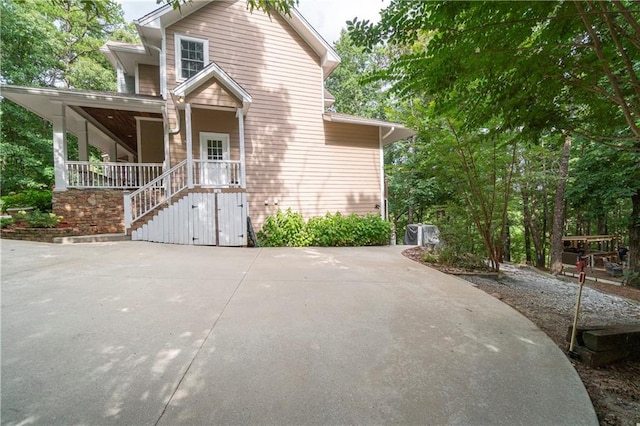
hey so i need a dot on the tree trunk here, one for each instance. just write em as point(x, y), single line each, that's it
point(506, 249)
point(634, 242)
point(558, 210)
point(527, 227)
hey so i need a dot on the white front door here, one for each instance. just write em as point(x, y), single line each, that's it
point(214, 153)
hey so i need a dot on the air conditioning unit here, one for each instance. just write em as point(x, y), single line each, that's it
point(422, 235)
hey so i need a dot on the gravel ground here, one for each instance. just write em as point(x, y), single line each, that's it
point(550, 303)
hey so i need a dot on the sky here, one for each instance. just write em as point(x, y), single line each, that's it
point(328, 17)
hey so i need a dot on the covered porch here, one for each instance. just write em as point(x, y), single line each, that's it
point(132, 138)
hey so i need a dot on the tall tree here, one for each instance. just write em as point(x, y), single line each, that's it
point(536, 66)
point(47, 43)
point(348, 83)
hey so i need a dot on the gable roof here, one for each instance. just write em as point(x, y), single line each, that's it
point(150, 29)
point(213, 70)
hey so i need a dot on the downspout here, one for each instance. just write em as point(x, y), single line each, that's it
point(384, 201)
point(163, 88)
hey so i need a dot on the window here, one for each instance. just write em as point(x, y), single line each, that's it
point(214, 149)
point(192, 55)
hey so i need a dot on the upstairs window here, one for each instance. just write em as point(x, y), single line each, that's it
point(192, 55)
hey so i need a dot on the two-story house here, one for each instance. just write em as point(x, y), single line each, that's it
point(220, 115)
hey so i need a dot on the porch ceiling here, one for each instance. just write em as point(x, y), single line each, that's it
point(120, 123)
point(92, 106)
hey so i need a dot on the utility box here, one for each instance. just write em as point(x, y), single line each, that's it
point(422, 235)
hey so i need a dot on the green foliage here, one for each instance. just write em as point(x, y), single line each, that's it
point(452, 258)
point(40, 199)
point(288, 229)
point(268, 6)
point(468, 261)
point(5, 222)
point(353, 93)
point(38, 219)
point(284, 229)
point(336, 230)
point(534, 65)
point(26, 152)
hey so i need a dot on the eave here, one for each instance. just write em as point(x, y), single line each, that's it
point(391, 132)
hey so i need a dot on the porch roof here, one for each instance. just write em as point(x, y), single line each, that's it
point(391, 132)
point(112, 115)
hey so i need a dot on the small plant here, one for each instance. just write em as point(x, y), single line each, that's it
point(285, 229)
point(468, 261)
point(430, 257)
point(37, 219)
point(6, 222)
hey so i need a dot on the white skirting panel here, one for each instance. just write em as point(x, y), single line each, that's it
point(199, 219)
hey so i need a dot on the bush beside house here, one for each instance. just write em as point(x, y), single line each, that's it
point(288, 229)
point(38, 199)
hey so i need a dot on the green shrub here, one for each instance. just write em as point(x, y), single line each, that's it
point(5, 222)
point(288, 229)
point(40, 199)
point(38, 219)
point(285, 229)
point(469, 261)
point(430, 257)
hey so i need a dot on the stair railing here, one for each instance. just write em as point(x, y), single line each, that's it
point(161, 189)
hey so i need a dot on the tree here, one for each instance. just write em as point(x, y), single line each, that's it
point(537, 67)
point(268, 6)
point(45, 44)
point(353, 93)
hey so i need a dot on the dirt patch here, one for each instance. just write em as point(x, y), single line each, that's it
point(549, 302)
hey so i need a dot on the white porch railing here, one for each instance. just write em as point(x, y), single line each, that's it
point(217, 173)
point(154, 193)
point(85, 174)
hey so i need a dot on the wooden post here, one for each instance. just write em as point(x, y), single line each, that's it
point(243, 167)
point(187, 119)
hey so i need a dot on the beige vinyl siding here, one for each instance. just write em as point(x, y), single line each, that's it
point(151, 141)
point(148, 80)
point(204, 120)
point(288, 158)
point(212, 93)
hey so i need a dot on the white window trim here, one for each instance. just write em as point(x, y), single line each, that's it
point(224, 137)
point(178, 57)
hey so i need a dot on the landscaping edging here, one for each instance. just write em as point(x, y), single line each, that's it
point(42, 235)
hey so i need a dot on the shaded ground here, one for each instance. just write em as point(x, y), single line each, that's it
point(550, 302)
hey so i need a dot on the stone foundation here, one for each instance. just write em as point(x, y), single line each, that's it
point(91, 211)
point(43, 235)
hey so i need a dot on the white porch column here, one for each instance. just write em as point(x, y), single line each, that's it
point(187, 119)
point(243, 166)
point(83, 140)
point(59, 145)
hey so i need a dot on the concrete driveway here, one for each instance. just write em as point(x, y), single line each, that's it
point(140, 334)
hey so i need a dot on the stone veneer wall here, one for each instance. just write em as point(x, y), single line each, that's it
point(43, 235)
point(91, 211)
